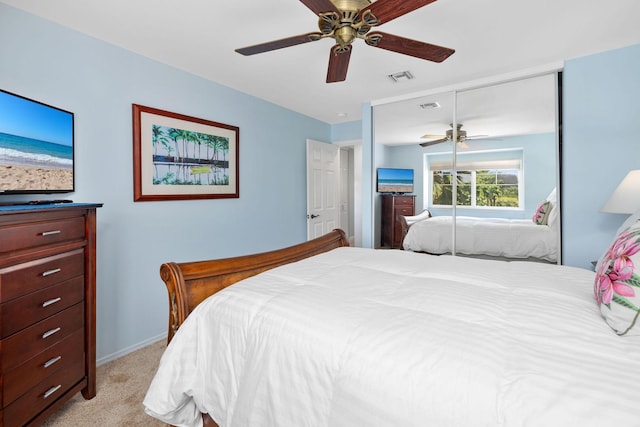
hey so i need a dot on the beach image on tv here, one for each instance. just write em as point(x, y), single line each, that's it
point(395, 180)
point(36, 146)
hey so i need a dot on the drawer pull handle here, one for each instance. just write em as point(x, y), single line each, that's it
point(52, 390)
point(52, 361)
point(50, 233)
point(50, 332)
point(51, 301)
point(50, 272)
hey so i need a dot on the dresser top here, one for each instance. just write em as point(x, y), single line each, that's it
point(32, 208)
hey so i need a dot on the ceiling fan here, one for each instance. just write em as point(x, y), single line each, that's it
point(461, 137)
point(346, 20)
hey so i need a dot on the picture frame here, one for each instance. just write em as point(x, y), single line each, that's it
point(179, 157)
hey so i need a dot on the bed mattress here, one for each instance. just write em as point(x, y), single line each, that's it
point(498, 237)
point(363, 337)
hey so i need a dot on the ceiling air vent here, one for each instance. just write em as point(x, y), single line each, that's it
point(429, 105)
point(401, 76)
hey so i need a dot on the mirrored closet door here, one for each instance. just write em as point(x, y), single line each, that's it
point(494, 151)
point(399, 129)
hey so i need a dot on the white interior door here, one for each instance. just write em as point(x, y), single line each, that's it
point(323, 188)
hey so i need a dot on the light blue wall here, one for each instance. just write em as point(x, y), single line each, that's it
point(347, 131)
point(99, 82)
point(601, 144)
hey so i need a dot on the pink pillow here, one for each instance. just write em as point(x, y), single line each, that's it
point(541, 216)
point(617, 284)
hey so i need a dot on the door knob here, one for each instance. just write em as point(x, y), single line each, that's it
point(313, 216)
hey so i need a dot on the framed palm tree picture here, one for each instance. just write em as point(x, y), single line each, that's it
point(178, 157)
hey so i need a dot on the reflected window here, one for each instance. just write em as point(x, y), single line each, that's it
point(442, 188)
point(480, 182)
point(497, 188)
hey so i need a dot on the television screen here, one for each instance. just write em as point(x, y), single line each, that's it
point(392, 180)
point(36, 147)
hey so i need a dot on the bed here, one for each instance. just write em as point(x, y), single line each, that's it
point(496, 237)
point(322, 334)
point(534, 239)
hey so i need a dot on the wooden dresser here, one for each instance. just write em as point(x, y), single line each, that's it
point(47, 309)
point(391, 228)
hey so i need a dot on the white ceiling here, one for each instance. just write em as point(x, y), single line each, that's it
point(520, 107)
point(490, 37)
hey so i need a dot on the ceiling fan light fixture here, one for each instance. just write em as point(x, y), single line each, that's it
point(462, 134)
point(345, 35)
point(401, 76)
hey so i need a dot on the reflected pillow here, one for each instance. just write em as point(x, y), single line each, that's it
point(617, 283)
point(552, 196)
point(553, 215)
point(541, 216)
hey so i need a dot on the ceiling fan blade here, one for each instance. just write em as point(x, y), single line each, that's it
point(320, 6)
point(437, 141)
point(428, 136)
point(410, 47)
point(338, 63)
point(279, 44)
point(386, 10)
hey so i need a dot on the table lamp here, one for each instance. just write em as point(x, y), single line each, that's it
point(626, 198)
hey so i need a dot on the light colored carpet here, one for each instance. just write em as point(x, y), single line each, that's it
point(121, 387)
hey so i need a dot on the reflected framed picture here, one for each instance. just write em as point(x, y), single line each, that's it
point(178, 157)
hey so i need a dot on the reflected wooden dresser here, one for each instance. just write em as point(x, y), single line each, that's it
point(47, 309)
point(391, 228)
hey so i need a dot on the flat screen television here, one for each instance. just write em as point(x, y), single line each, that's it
point(36, 147)
point(393, 180)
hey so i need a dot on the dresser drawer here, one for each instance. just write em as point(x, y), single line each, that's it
point(404, 211)
point(30, 235)
point(27, 343)
point(69, 351)
point(42, 395)
point(22, 279)
point(31, 308)
point(403, 201)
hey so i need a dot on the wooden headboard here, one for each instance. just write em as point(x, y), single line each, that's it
point(408, 221)
point(189, 283)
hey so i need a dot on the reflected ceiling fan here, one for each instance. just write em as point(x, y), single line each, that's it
point(448, 136)
point(346, 20)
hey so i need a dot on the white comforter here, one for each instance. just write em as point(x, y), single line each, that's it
point(362, 337)
point(501, 237)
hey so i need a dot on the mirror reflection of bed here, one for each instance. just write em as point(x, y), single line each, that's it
point(534, 239)
point(502, 168)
